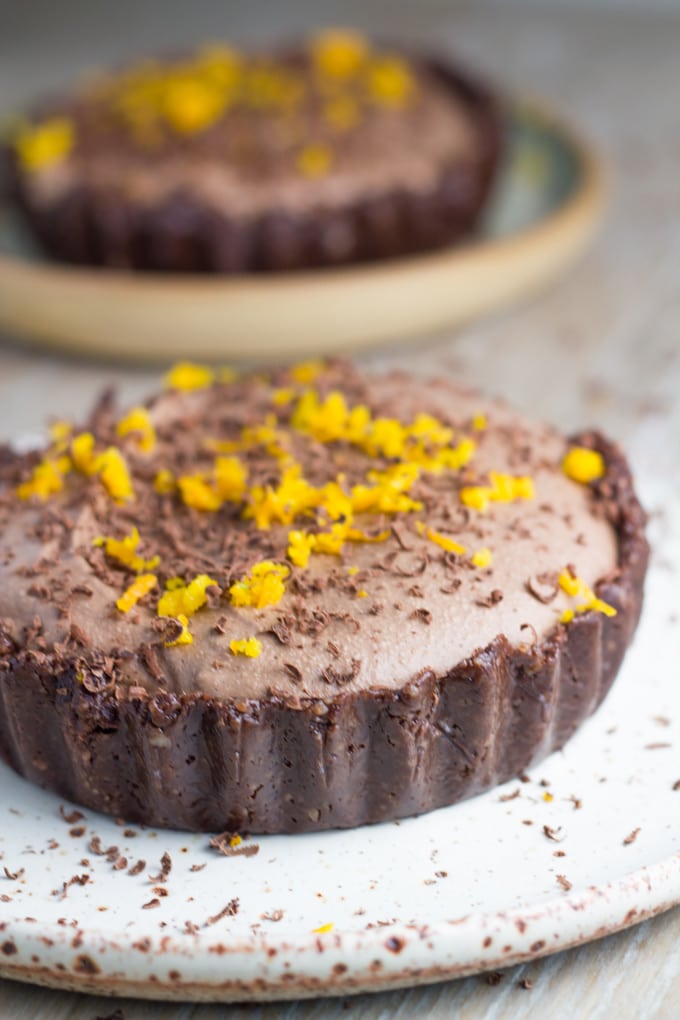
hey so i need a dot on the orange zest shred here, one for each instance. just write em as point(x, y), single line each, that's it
point(301, 544)
point(185, 599)
point(124, 550)
point(443, 541)
point(138, 422)
point(198, 493)
point(504, 488)
point(338, 53)
point(40, 146)
point(114, 474)
point(314, 160)
point(164, 481)
point(576, 587)
point(282, 396)
point(323, 929)
point(187, 376)
point(425, 442)
point(60, 432)
point(185, 637)
point(140, 587)
point(47, 478)
point(226, 485)
point(482, 558)
point(82, 453)
point(262, 587)
point(583, 465)
point(390, 82)
point(305, 372)
point(250, 647)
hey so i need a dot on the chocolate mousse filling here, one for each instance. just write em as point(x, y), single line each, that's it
point(308, 600)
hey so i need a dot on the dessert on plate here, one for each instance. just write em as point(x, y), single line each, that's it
point(308, 599)
point(330, 152)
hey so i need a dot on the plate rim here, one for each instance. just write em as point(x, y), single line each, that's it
point(606, 909)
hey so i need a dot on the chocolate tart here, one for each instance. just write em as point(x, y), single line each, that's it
point(348, 599)
point(331, 153)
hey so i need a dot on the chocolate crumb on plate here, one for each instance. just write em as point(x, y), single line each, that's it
point(556, 835)
point(494, 978)
point(230, 910)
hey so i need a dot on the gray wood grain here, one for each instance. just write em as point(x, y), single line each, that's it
point(600, 347)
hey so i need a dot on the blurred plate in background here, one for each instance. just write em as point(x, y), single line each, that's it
point(547, 203)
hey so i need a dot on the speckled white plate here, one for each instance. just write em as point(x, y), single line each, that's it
point(588, 844)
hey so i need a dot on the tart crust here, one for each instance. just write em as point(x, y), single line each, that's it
point(280, 765)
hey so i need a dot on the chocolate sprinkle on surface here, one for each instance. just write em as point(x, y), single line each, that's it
point(72, 817)
point(14, 875)
point(494, 978)
point(166, 868)
point(557, 835)
point(223, 844)
point(510, 796)
point(229, 911)
point(273, 915)
point(74, 880)
point(543, 587)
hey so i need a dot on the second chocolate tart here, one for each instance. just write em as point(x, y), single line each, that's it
point(334, 152)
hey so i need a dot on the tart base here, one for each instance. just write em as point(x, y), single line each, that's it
point(278, 765)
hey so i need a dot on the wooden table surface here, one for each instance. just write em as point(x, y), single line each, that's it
point(601, 347)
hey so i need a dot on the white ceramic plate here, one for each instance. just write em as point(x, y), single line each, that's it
point(546, 205)
point(588, 845)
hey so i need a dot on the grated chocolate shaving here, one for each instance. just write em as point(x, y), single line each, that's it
point(166, 868)
point(331, 675)
point(556, 835)
point(73, 880)
point(543, 587)
point(222, 843)
point(229, 911)
point(72, 817)
point(14, 875)
point(293, 671)
point(274, 915)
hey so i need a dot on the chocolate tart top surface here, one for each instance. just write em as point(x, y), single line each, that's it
point(373, 527)
point(324, 124)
